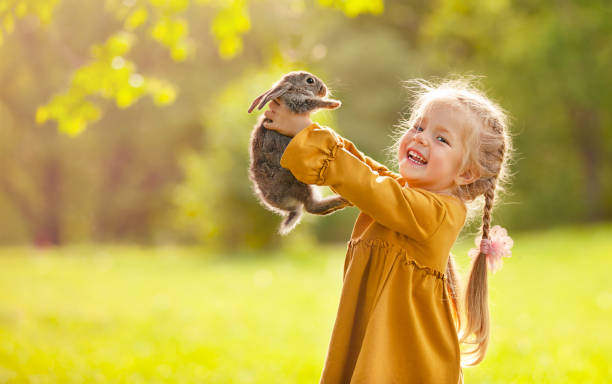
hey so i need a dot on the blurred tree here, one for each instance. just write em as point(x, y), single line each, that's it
point(110, 75)
point(154, 174)
point(549, 66)
point(93, 188)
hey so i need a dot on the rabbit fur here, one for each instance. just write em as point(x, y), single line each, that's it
point(276, 187)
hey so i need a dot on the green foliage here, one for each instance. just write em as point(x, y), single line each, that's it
point(110, 76)
point(543, 64)
point(130, 315)
point(74, 110)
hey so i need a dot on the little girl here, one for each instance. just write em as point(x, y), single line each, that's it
point(398, 320)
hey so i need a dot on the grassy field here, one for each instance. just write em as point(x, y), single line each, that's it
point(175, 315)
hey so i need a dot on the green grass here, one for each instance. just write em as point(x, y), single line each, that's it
point(130, 315)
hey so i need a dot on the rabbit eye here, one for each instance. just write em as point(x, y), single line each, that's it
point(310, 80)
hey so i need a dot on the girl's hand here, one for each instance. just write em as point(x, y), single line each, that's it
point(284, 121)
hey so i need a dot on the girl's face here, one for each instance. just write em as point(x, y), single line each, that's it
point(432, 150)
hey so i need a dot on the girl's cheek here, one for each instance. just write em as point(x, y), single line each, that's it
point(402, 147)
point(404, 142)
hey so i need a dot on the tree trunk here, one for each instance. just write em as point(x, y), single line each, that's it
point(48, 231)
point(588, 137)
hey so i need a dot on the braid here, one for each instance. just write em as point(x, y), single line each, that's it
point(477, 292)
point(488, 207)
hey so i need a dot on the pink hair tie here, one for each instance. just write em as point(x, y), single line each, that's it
point(498, 245)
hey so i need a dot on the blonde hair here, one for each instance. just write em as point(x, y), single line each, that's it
point(488, 148)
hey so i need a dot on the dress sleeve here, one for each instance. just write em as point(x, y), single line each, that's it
point(373, 164)
point(318, 155)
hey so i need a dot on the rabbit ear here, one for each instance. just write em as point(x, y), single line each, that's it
point(256, 101)
point(273, 94)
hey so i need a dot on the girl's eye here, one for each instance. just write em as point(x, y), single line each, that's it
point(418, 128)
point(442, 139)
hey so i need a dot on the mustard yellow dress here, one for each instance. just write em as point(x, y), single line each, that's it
point(395, 322)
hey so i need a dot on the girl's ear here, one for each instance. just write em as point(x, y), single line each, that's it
point(467, 177)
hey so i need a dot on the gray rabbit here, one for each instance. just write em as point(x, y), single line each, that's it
point(277, 189)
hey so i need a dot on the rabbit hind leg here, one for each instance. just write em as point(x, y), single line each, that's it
point(325, 206)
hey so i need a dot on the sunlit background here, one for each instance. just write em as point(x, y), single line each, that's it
point(132, 248)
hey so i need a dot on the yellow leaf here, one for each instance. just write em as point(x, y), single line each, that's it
point(125, 97)
point(136, 18)
point(8, 23)
point(71, 127)
point(42, 115)
point(179, 29)
point(178, 5)
point(120, 43)
point(165, 96)
point(230, 46)
point(160, 29)
point(181, 50)
point(21, 9)
point(44, 12)
point(354, 8)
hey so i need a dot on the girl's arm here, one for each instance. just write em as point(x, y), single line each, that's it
point(373, 164)
point(290, 124)
point(318, 155)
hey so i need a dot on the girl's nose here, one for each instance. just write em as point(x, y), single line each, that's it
point(419, 138)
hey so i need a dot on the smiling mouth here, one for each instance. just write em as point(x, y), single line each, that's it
point(416, 158)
